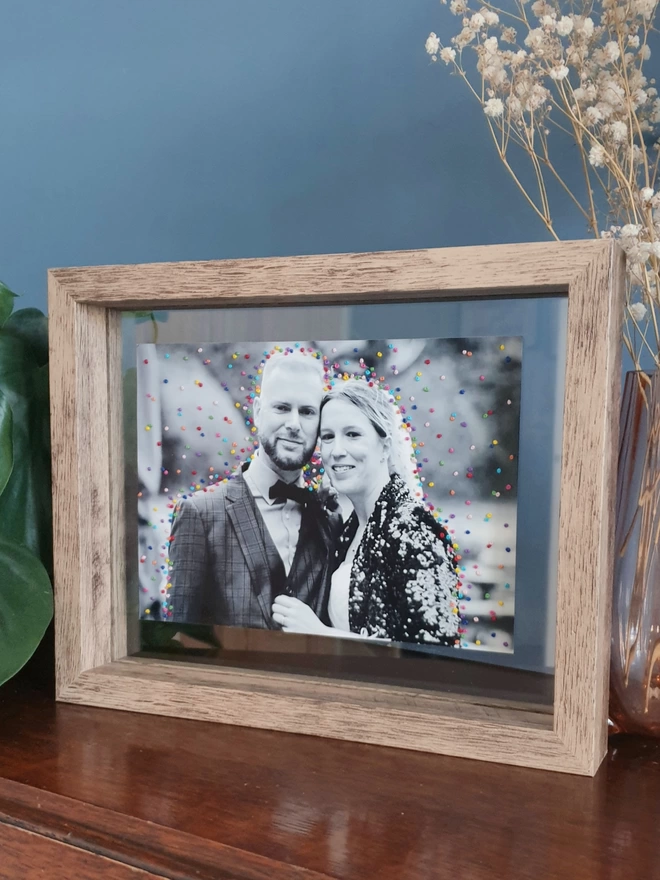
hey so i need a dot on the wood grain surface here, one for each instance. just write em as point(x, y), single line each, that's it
point(183, 799)
point(29, 856)
point(90, 616)
point(586, 509)
point(67, 490)
point(385, 276)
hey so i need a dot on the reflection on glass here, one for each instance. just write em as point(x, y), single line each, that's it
point(480, 402)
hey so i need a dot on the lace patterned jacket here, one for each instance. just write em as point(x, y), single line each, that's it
point(403, 584)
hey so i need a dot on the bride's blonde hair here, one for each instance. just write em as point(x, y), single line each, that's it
point(383, 413)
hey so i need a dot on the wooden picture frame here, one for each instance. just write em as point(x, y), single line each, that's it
point(92, 665)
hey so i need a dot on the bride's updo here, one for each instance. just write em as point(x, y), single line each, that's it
point(383, 413)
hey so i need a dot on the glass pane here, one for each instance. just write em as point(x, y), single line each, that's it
point(479, 385)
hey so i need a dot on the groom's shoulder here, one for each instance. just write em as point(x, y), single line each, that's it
point(215, 496)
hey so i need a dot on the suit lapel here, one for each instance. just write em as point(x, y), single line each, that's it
point(245, 516)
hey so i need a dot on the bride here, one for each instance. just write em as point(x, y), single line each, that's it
point(395, 574)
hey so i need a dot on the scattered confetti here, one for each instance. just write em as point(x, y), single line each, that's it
point(456, 374)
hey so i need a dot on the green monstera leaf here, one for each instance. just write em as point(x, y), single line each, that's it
point(6, 442)
point(26, 606)
point(26, 596)
point(31, 325)
point(7, 298)
point(25, 506)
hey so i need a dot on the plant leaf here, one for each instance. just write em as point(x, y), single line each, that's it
point(16, 366)
point(7, 298)
point(6, 442)
point(25, 504)
point(26, 606)
point(31, 325)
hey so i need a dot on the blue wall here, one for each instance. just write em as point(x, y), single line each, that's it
point(148, 130)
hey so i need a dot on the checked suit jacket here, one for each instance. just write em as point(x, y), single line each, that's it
point(225, 569)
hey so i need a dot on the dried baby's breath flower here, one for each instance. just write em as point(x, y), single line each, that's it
point(493, 107)
point(578, 65)
point(638, 310)
point(432, 44)
point(559, 72)
point(565, 25)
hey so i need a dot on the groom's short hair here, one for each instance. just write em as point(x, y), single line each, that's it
point(282, 362)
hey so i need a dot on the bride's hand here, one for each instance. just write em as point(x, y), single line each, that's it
point(328, 496)
point(295, 616)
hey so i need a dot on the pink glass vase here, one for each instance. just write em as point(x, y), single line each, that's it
point(635, 661)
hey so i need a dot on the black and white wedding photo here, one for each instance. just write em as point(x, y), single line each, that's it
point(354, 488)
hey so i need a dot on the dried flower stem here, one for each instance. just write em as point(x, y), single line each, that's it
point(582, 62)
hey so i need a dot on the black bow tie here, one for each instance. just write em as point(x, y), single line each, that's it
point(281, 491)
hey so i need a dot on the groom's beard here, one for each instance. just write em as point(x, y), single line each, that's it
point(287, 461)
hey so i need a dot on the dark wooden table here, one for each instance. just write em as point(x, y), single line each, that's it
point(98, 793)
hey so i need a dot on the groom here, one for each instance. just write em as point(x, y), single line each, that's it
point(237, 545)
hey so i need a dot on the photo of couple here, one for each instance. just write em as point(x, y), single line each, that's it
point(359, 489)
point(265, 550)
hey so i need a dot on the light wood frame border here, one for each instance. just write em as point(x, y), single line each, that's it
point(85, 346)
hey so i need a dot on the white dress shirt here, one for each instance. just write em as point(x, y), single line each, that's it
point(282, 519)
